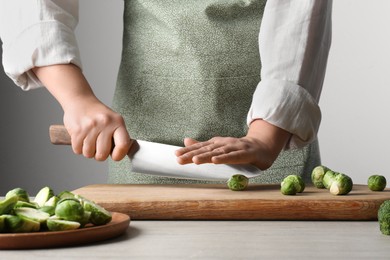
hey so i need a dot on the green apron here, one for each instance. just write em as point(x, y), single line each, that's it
point(189, 69)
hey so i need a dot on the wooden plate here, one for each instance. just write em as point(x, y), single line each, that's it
point(117, 226)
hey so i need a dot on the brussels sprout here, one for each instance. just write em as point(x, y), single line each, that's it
point(329, 178)
point(7, 205)
point(33, 214)
point(70, 209)
point(52, 202)
point(297, 180)
point(65, 194)
point(288, 188)
point(317, 176)
point(237, 182)
point(54, 224)
point(384, 217)
point(376, 182)
point(48, 209)
point(43, 195)
point(342, 184)
point(48, 212)
point(2, 223)
point(21, 204)
point(21, 193)
point(16, 224)
point(99, 215)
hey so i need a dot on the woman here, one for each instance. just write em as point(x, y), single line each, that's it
point(242, 79)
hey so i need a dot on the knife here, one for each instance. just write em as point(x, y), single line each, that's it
point(160, 160)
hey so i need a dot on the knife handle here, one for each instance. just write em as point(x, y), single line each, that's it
point(59, 135)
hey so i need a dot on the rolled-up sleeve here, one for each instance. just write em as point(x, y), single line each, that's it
point(294, 42)
point(37, 33)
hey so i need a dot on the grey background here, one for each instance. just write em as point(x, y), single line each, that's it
point(354, 134)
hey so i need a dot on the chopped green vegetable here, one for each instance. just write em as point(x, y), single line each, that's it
point(342, 184)
point(237, 182)
point(33, 214)
point(16, 224)
point(43, 195)
point(70, 209)
point(65, 194)
point(52, 201)
point(65, 211)
point(376, 182)
point(21, 193)
point(61, 225)
point(384, 217)
point(7, 205)
point(20, 204)
point(99, 215)
point(317, 176)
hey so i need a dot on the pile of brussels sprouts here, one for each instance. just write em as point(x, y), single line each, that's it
point(337, 183)
point(48, 212)
point(341, 184)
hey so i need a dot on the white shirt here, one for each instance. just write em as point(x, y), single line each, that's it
point(295, 38)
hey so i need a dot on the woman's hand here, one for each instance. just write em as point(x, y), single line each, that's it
point(93, 127)
point(260, 147)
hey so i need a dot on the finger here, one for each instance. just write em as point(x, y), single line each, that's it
point(122, 143)
point(194, 150)
point(188, 148)
point(89, 144)
point(189, 141)
point(103, 146)
point(207, 156)
point(77, 139)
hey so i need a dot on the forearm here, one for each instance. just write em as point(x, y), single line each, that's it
point(269, 136)
point(91, 124)
point(65, 82)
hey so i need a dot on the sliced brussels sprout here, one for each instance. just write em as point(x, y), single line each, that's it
point(20, 204)
point(33, 214)
point(65, 195)
point(61, 225)
point(48, 209)
point(8, 204)
point(21, 193)
point(43, 195)
point(52, 201)
point(99, 215)
point(16, 224)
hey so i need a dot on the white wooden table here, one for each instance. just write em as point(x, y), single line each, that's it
point(230, 240)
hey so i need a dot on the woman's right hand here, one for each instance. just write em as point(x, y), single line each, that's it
point(96, 131)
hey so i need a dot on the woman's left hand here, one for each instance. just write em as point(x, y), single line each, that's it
point(260, 147)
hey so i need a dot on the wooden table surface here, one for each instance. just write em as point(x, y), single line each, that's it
point(230, 240)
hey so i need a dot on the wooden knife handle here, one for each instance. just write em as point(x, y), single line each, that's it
point(59, 135)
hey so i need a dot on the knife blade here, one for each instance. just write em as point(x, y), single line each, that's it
point(160, 160)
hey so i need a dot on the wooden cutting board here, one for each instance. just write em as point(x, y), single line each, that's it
point(217, 202)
